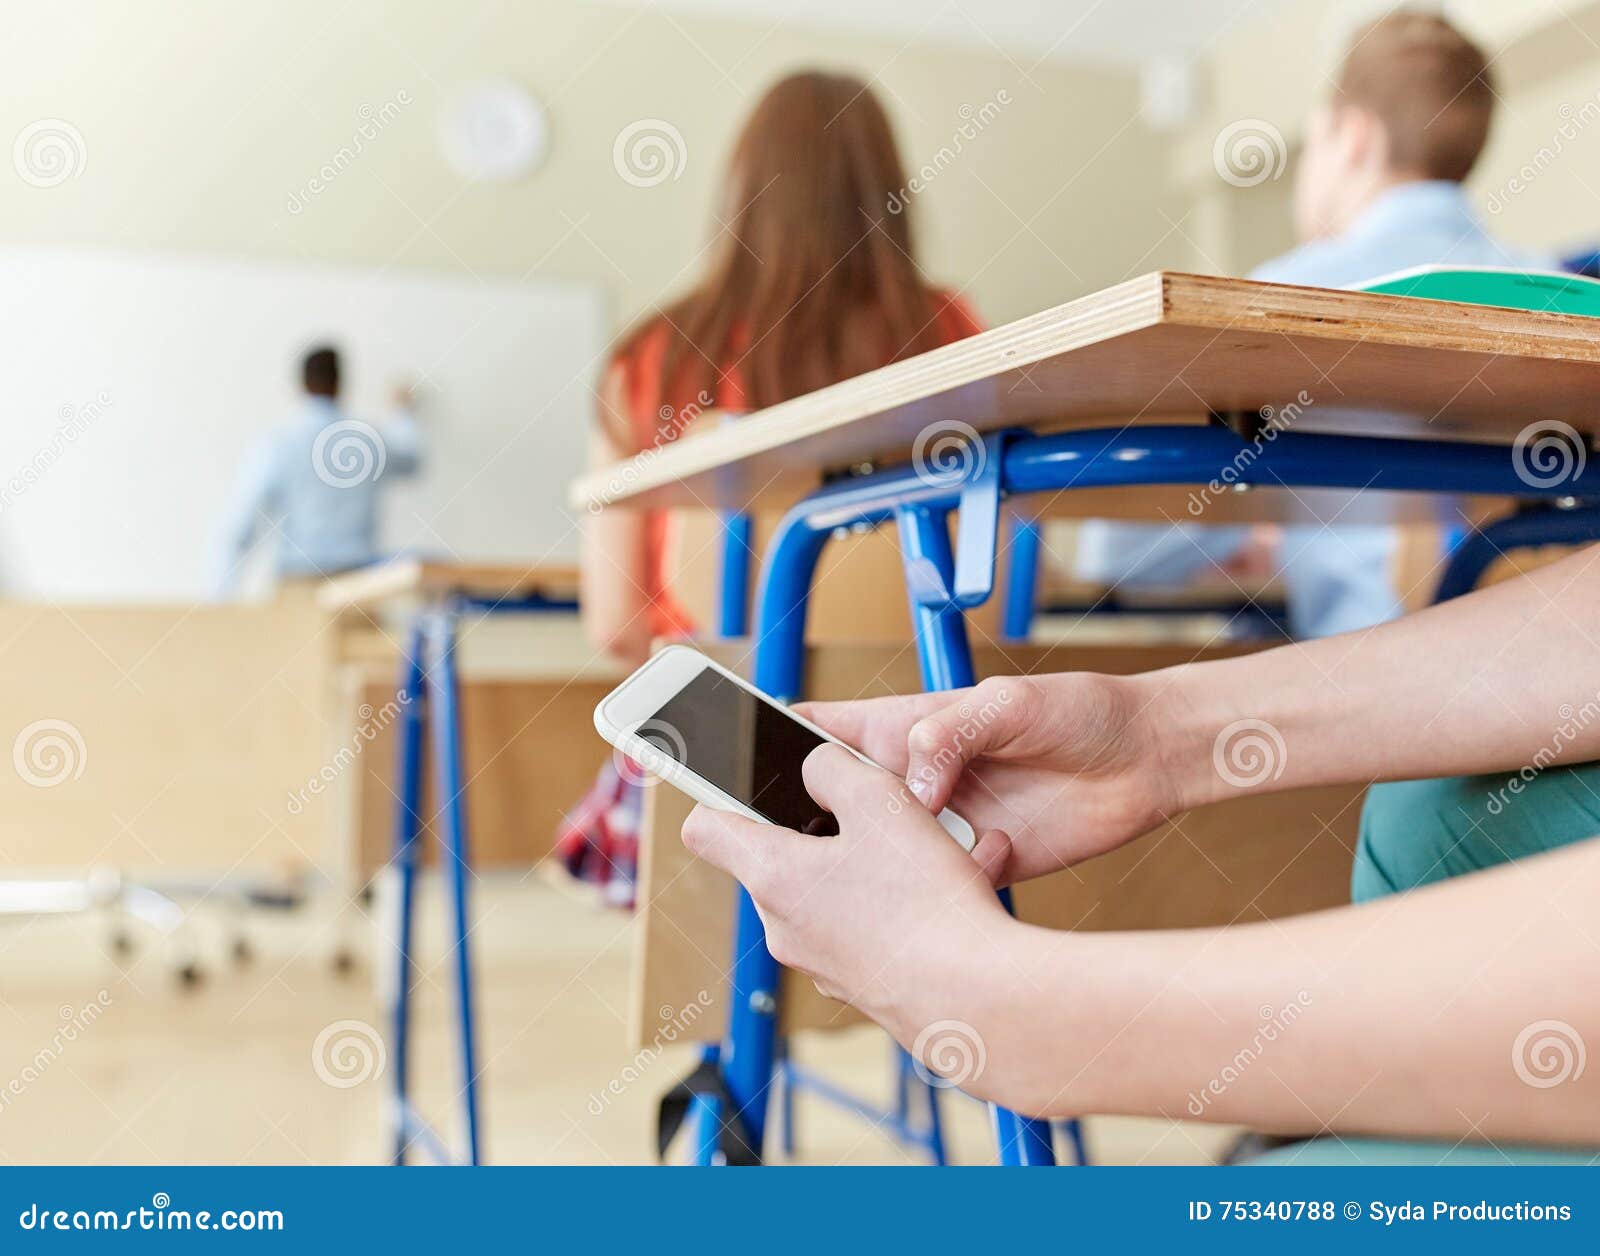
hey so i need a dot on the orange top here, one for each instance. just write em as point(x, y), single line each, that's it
point(656, 422)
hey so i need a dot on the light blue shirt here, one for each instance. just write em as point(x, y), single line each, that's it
point(314, 483)
point(1336, 579)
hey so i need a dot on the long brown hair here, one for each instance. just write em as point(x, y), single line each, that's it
point(813, 277)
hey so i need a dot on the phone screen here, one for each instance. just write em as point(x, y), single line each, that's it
point(745, 746)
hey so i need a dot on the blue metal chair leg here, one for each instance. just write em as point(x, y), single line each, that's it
point(935, 1126)
point(1022, 580)
point(1541, 525)
point(946, 657)
point(908, 1082)
point(786, 1095)
point(706, 1122)
point(748, 1056)
point(733, 588)
point(444, 702)
point(1072, 1130)
point(407, 831)
point(733, 614)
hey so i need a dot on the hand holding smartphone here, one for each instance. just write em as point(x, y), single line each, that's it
point(723, 742)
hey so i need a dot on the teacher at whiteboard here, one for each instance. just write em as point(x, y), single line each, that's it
point(313, 483)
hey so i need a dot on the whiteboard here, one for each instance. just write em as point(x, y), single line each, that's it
point(135, 384)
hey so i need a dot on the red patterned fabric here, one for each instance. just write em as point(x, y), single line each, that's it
point(598, 841)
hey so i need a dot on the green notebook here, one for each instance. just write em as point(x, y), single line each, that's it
point(1542, 290)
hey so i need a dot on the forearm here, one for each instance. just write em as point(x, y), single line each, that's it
point(1407, 1017)
point(403, 442)
point(1487, 682)
point(613, 574)
point(612, 582)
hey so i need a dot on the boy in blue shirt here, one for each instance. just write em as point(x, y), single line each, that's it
point(315, 481)
point(1378, 189)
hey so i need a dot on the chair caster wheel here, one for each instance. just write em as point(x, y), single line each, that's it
point(122, 943)
point(242, 951)
point(189, 975)
point(344, 961)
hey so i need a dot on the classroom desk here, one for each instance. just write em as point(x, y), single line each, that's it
point(1164, 348)
point(376, 587)
point(517, 675)
point(1162, 380)
point(428, 695)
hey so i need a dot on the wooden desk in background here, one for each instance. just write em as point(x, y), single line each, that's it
point(164, 741)
point(445, 734)
point(530, 684)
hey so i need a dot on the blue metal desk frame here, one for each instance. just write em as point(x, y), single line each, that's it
point(733, 620)
point(429, 692)
point(943, 583)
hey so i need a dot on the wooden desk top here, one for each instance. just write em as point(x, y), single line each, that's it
point(1162, 348)
point(423, 578)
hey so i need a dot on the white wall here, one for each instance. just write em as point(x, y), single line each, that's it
point(200, 129)
point(144, 377)
point(200, 122)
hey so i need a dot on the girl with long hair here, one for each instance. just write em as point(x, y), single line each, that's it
point(812, 278)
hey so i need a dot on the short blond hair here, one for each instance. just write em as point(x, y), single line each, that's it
point(1430, 87)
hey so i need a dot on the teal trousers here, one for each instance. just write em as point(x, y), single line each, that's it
point(1414, 833)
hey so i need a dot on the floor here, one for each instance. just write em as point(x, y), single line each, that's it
point(275, 1059)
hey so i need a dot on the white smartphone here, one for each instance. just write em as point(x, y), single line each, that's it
point(723, 742)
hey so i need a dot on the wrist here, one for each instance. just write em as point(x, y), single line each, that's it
point(1181, 722)
point(963, 980)
point(1020, 1048)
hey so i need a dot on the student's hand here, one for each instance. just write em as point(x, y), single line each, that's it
point(890, 915)
point(403, 394)
point(1069, 765)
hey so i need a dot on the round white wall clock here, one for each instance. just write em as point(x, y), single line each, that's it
point(494, 130)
